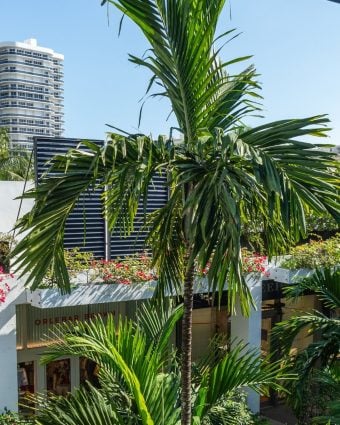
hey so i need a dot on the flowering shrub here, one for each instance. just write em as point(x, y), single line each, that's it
point(4, 286)
point(316, 253)
point(252, 262)
point(135, 268)
point(132, 269)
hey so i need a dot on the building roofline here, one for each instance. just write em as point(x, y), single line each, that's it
point(31, 46)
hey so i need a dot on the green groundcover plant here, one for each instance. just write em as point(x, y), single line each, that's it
point(315, 254)
point(10, 418)
point(317, 366)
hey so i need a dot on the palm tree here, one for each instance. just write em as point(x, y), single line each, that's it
point(220, 176)
point(15, 164)
point(139, 374)
point(314, 363)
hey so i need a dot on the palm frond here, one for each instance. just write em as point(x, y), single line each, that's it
point(324, 282)
point(131, 162)
point(239, 368)
point(158, 323)
point(183, 61)
point(297, 176)
point(283, 334)
point(127, 358)
point(84, 407)
point(57, 194)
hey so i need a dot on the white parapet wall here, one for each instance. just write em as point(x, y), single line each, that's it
point(10, 205)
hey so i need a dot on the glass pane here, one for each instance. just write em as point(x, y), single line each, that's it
point(25, 384)
point(58, 378)
point(89, 371)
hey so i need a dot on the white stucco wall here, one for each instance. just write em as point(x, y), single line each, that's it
point(9, 206)
point(8, 353)
point(248, 329)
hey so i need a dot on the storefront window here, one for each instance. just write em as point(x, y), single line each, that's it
point(25, 384)
point(89, 371)
point(58, 380)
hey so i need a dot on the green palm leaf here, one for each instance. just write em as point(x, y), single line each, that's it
point(128, 357)
point(324, 282)
point(85, 407)
point(238, 369)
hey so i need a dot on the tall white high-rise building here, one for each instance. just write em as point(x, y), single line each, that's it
point(31, 92)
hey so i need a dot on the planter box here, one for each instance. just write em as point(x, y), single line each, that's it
point(99, 294)
point(282, 275)
point(90, 294)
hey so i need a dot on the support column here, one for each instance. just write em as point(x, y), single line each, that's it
point(248, 329)
point(8, 347)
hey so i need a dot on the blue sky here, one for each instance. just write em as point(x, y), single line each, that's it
point(295, 46)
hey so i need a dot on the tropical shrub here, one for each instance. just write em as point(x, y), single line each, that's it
point(314, 254)
point(309, 394)
point(235, 412)
point(139, 375)
point(5, 243)
point(329, 378)
point(9, 418)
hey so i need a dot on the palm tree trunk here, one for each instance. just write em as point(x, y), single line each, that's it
point(188, 298)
